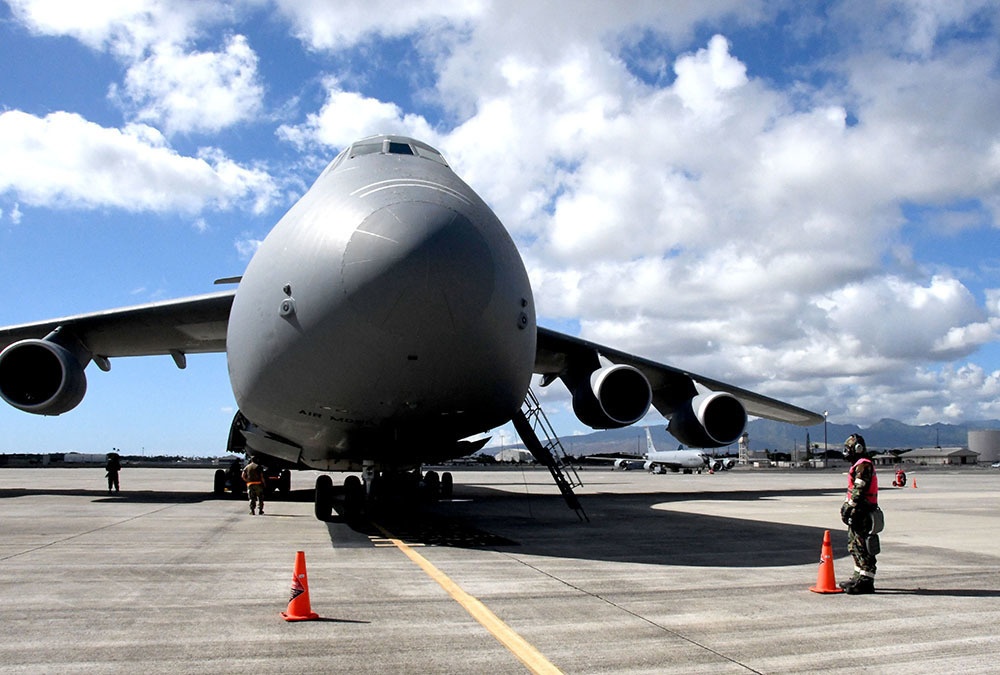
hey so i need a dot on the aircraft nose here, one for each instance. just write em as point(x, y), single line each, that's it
point(419, 266)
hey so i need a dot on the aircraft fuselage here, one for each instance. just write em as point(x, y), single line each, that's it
point(387, 314)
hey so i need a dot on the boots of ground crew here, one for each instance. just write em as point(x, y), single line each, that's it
point(850, 582)
point(862, 586)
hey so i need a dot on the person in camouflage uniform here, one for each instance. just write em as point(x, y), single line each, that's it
point(858, 513)
point(253, 476)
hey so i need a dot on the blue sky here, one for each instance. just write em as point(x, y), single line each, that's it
point(800, 198)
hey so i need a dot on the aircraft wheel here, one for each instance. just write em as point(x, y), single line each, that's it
point(220, 483)
point(432, 486)
point(354, 497)
point(324, 497)
point(447, 485)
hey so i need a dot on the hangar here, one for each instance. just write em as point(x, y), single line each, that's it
point(942, 456)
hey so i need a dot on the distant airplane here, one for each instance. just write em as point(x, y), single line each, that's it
point(659, 461)
point(384, 320)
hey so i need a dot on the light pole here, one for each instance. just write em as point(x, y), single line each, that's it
point(826, 413)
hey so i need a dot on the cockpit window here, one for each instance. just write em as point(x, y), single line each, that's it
point(366, 148)
point(428, 152)
point(395, 146)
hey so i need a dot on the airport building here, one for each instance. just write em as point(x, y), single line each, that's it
point(942, 456)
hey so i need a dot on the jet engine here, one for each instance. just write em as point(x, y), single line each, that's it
point(614, 397)
point(709, 420)
point(41, 377)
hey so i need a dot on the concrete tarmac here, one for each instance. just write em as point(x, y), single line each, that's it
point(673, 574)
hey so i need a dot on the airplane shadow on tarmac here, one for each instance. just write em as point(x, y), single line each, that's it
point(622, 528)
point(151, 496)
point(140, 496)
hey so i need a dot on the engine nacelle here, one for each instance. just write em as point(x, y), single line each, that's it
point(615, 396)
point(41, 377)
point(656, 467)
point(709, 420)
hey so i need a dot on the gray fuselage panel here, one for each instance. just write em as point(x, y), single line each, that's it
point(387, 313)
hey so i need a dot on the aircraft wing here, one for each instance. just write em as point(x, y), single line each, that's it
point(556, 353)
point(188, 325)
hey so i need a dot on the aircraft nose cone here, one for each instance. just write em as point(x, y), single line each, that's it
point(418, 267)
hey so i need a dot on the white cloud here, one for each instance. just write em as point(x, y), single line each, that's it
point(125, 27)
point(168, 82)
point(62, 160)
point(323, 25)
point(348, 116)
point(247, 245)
point(704, 78)
point(190, 91)
point(913, 26)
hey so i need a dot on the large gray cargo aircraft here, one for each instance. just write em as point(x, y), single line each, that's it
point(385, 319)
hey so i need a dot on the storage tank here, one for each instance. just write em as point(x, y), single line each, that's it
point(987, 443)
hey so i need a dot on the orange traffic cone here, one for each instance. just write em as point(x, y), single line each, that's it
point(914, 482)
point(298, 604)
point(826, 582)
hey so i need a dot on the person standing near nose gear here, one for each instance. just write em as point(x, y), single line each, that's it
point(253, 475)
point(862, 516)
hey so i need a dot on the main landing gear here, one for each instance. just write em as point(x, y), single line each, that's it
point(380, 489)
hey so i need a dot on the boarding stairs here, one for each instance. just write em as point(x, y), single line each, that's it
point(529, 422)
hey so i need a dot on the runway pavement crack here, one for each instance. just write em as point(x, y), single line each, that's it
point(612, 603)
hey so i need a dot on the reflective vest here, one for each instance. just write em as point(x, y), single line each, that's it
point(871, 489)
point(252, 475)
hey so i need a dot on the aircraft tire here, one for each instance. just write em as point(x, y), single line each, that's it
point(354, 497)
point(220, 483)
point(432, 486)
point(324, 497)
point(447, 485)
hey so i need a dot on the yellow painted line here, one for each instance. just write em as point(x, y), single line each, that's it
point(388, 542)
point(518, 646)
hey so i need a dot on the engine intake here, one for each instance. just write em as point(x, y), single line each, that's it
point(709, 420)
point(41, 377)
point(614, 397)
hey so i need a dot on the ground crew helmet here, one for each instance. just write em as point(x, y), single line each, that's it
point(855, 445)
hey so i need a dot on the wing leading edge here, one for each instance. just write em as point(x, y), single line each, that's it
point(558, 355)
point(42, 364)
point(185, 326)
